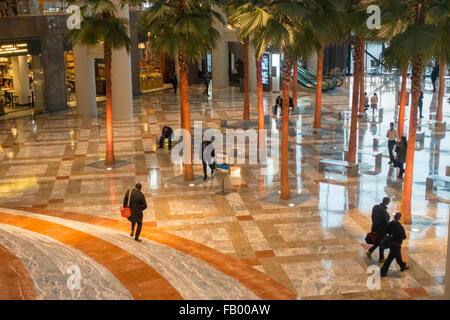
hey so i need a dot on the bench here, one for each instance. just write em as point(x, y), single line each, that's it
point(333, 125)
point(377, 155)
point(344, 115)
point(238, 123)
point(433, 178)
point(420, 137)
point(352, 168)
point(440, 125)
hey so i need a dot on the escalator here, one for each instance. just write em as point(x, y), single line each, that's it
point(307, 78)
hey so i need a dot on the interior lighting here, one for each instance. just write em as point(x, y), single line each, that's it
point(291, 205)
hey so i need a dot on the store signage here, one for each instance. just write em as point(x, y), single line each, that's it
point(265, 69)
point(13, 49)
point(20, 47)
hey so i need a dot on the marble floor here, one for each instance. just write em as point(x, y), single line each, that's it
point(59, 207)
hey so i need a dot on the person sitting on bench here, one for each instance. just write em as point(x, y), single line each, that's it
point(166, 134)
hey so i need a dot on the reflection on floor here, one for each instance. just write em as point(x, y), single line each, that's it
point(198, 243)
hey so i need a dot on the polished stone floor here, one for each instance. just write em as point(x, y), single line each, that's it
point(59, 207)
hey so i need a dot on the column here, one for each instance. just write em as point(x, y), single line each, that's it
point(219, 61)
point(252, 69)
point(21, 79)
point(122, 94)
point(85, 82)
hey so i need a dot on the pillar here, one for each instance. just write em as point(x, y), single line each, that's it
point(252, 69)
point(85, 82)
point(21, 79)
point(220, 60)
point(122, 94)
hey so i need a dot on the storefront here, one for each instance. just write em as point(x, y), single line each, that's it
point(154, 70)
point(100, 81)
point(21, 76)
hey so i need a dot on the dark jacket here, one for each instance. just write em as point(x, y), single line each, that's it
point(396, 230)
point(401, 152)
point(380, 219)
point(168, 133)
point(208, 159)
point(137, 205)
point(174, 81)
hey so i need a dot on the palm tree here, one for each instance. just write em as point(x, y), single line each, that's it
point(418, 41)
point(182, 30)
point(443, 55)
point(273, 25)
point(323, 27)
point(353, 15)
point(103, 26)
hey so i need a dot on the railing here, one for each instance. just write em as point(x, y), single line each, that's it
point(13, 8)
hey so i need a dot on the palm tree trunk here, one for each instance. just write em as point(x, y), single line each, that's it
point(185, 120)
point(361, 76)
point(109, 159)
point(317, 115)
point(259, 90)
point(284, 174)
point(355, 99)
point(441, 91)
point(295, 83)
point(401, 112)
point(416, 79)
point(246, 84)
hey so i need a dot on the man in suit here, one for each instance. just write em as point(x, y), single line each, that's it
point(380, 219)
point(398, 234)
point(137, 206)
point(207, 157)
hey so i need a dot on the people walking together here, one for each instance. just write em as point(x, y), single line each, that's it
point(137, 205)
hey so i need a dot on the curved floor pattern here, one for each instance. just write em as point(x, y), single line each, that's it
point(192, 278)
point(15, 281)
point(47, 261)
point(141, 280)
point(259, 283)
point(187, 273)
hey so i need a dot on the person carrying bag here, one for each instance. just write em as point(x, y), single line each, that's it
point(134, 201)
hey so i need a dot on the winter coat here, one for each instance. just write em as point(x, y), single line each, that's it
point(396, 230)
point(137, 205)
point(380, 219)
point(401, 153)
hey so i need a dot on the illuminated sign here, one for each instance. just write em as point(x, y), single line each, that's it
point(13, 49)
point(265, 69)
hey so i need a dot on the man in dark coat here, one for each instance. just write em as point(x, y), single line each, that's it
point(207, 157)
point(174, 82)
point(398, 234)
point(380, 219)
point(206, 83)
point(434, 76)
point(166, 134)
point(137, 206)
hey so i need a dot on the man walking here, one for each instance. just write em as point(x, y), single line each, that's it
point(207, 157)
point(380, 219)
point(397, 233)
point(206, 82)
point(374, 102)
point(174, 82)
point(421, 104)
point(392, 136)
point(137, 206)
